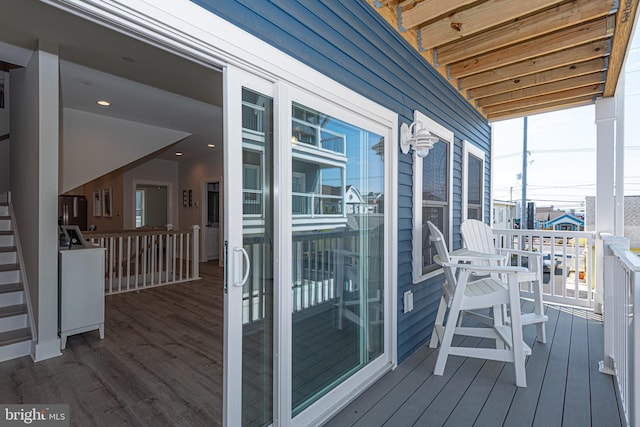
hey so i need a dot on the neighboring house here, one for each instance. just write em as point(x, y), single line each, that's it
point(565, 222)
point(504, 214)
point(631, 218)
point(304, 103)
point(354, 201)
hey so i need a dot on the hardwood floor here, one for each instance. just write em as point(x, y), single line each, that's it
point(160, 363)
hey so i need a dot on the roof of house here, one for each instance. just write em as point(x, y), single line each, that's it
point(566, 219)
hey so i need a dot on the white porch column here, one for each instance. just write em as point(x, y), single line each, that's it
point(619, 192)
point(605, 185)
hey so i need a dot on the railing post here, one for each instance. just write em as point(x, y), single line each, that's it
point(196, 251)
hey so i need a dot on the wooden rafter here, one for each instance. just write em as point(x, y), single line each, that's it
point(555, 74)
point(593, 90)
point(536, 65)
point(550, 43)
point(513, 57)
point(547, 88)
point(557, 18)
point(472, 21)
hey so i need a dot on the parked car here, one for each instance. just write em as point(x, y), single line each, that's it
point(548, 264)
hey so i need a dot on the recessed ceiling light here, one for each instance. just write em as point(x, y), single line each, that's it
point(178, 153)
point(103, 103)
point(211, 145)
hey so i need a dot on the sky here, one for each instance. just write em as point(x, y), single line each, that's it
point(561, 167)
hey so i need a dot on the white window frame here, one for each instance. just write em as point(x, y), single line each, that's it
point(469, 148)
point(446, 135)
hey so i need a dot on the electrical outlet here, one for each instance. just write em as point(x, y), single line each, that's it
point(408, 301)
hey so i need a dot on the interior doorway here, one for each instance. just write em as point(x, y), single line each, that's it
point(152, 204)
point(212, 220)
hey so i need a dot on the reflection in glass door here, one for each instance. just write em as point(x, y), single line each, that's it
point(337, 256)
point(257, 293)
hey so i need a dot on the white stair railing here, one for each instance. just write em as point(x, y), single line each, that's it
point(139, 259)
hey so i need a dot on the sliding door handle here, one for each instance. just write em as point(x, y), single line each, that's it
point(240, 255)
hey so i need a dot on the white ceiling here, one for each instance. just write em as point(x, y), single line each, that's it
point(144, 84)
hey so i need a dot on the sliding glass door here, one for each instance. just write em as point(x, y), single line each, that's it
point(306, 301)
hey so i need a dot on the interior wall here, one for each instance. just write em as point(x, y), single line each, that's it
point(4, 129)
point(34, 186)
point(114, 182)
point(93, 145)
point(192, 175)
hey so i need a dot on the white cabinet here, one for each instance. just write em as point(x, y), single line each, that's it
point(81, 286)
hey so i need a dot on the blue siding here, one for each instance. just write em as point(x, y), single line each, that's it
point(349, 42)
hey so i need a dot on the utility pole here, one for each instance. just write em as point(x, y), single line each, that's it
point(523, 208)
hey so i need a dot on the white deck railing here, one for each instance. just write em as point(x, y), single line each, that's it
point(568, 262)
point(143, 259)
point(622, 336)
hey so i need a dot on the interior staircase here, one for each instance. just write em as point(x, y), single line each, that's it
point(15, 333)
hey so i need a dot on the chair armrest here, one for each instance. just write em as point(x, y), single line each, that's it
point(485, 268)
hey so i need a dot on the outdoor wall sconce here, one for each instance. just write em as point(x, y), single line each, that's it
point(418, 137)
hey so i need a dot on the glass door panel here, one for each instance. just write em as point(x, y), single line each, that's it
point(257, 241)
point(337, 255)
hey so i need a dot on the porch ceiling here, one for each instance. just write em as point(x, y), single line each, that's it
point(512, 58)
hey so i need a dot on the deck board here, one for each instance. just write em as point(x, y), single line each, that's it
point(564, 386)
point(162, 365)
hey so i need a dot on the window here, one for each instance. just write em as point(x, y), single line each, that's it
point(473, 182)
point(432, 194)
point(139, 208)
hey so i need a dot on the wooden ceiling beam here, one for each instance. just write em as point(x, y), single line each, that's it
point(430, 10)
point(543, 89)
point(530, 103)
point(516, 83)
point(561, 16)
point(541, 108)
point(471, 21)
point(544, 45)
point(536, 65)
point(624, 24)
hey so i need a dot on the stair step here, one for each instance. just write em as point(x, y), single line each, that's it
point(9, 267)
point(6, 232)
point(15, 336)
point(13, 310)
point(11, 287)
point(8, 249)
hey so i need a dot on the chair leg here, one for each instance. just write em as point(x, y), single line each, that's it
point(449, 329)
point(517, 348)
point(436, 335)
point(539, 310)
point(499, 318)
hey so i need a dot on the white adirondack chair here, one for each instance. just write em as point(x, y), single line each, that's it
point(459, 294)
point(479, 237)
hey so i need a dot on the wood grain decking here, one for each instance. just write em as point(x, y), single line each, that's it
point(160, 364)
point(564, 387)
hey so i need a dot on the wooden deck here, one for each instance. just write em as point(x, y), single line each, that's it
point(160, 364)
point(564, 387)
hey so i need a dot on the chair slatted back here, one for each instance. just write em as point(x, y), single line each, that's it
point(478, 236)
point(443, 253)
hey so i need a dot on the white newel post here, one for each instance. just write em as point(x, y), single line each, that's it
point(195, 259)
point(605, 185)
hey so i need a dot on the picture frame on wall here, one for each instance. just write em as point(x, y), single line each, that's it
point(107, 203)
point(190, 198)
point(184, 198)
point(97, 203)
